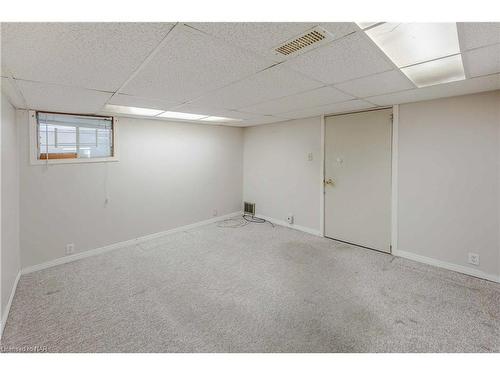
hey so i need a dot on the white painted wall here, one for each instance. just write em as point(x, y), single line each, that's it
point(172, 174)
point(449, 173)
point(10, 252)
point(448, 178)
point(169, 175)
point(278, 176)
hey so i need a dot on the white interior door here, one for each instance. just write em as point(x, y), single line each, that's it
point(358, 178)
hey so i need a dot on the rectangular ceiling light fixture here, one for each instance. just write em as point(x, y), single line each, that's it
point(417, 48)
point(181, 115)
point(219, 119)
point(131, 110)
point(148, 112)
point(447, 69)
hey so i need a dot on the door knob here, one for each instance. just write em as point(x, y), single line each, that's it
point(329, 182)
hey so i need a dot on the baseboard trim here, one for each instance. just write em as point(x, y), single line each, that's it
point(449, 266)
point(5, 313)
point(117, 245)
point(292, 226)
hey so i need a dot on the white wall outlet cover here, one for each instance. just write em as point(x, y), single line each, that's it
point(289, 219)
point(70, 248)
point(474, 259)
point(310, 156)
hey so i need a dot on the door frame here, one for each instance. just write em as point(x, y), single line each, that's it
point(394, 172)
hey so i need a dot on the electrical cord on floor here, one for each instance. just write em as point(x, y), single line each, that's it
point(232, 223)
point(257, 220)
point(241, 222)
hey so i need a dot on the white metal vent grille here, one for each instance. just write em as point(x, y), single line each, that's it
point(304, 42)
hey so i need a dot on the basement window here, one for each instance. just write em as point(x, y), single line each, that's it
point(71, 138)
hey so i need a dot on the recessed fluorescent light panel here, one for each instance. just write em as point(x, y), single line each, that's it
point(410, 45)
point(165, 114)
point(181, 115)
point(434, 72)
point(131, 110)
point(219, 119)
point(413, 43)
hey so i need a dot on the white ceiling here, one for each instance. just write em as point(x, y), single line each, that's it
point(98, 56)
point(351, 57)
point(220, 69)
point(262, 37)
point(274, 82)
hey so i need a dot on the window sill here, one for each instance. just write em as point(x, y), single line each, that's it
point(74, 161)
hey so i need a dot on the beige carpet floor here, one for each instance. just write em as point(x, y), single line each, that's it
point(251, 289)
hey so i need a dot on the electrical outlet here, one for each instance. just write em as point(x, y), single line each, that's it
point(474, 259)
point(289, 219)
point(70, 248)
point(310, 156)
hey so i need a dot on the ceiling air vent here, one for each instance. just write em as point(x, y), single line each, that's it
point(304, 42)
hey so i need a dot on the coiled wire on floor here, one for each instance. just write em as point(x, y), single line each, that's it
point(242, 221)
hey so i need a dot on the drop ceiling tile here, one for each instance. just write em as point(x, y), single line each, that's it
point(190, 64)
point(259, 37)
point(468, 86)
point(478, 34)
point(340, 29)
point(351, 105)
point(351, 57)
point(482, 61)
point(89, 55)
point(263, 37)
point(191, 108)
point(269, 84)
point(377, 84)
point(12, 93)
point(48, 97)
point(137, 101)
point(312, 98)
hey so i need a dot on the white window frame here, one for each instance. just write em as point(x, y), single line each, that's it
point(34, 146)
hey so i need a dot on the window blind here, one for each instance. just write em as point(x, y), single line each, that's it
point(62, 136)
